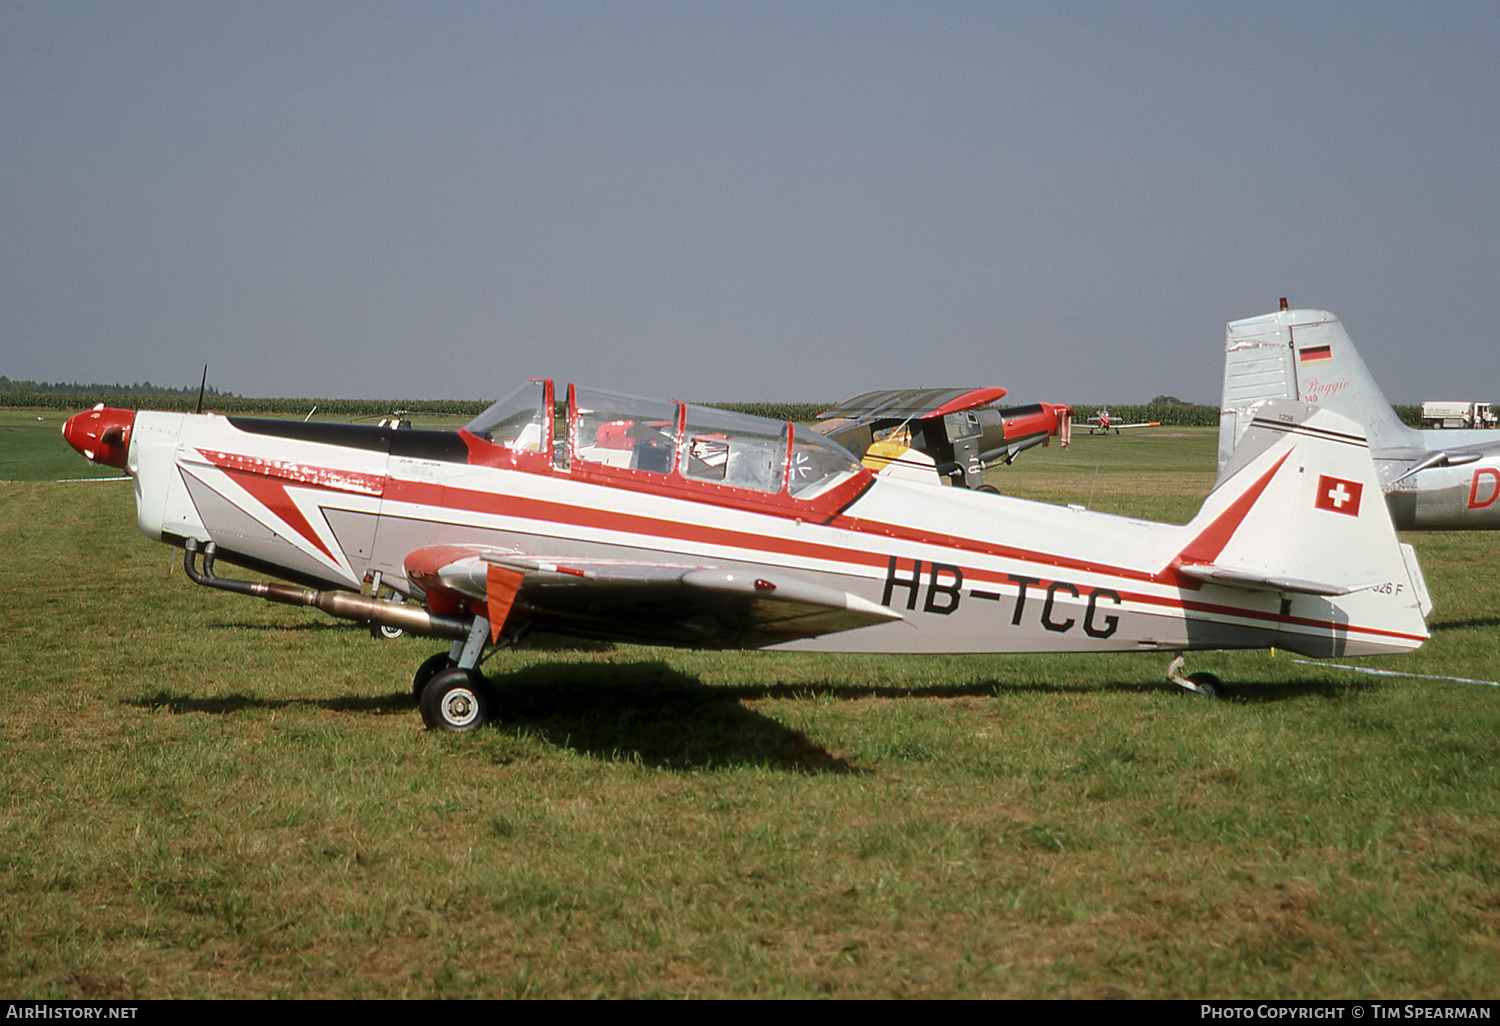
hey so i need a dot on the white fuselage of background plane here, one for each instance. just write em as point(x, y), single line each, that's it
point(1433, 480)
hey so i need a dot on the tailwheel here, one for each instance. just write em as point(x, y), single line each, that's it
point(1207, 685)
point(458, 701)
point(1202, 683)
point(429, 669)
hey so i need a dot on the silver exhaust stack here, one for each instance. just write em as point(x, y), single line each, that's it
point(342, 604)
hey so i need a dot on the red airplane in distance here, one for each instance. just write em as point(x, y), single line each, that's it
point(1103, 422)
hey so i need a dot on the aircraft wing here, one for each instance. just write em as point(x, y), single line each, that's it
point(1457, 457)
point(1112, 426)
point(910, 404)
point(699, 605)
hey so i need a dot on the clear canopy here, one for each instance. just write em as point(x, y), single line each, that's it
point(625, 431)
point(699, 443)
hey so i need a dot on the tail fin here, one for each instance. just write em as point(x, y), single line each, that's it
point(1305, 355)
point(1299, 512)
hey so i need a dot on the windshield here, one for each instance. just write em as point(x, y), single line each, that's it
point(818, 463)
point(518, 421)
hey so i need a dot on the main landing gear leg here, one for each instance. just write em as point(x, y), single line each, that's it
point(451, 692)
point(1205, 684)
point(456, 697)
point(436, 664)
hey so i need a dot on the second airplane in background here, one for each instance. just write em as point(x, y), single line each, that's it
point(1103, 422)
point(924, 433)
point(1432, 480)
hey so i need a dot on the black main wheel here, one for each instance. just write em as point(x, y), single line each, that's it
point(458, 701)
point(429, 669)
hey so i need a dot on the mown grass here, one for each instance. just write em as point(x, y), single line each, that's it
point(32, 449)
point(206, 795)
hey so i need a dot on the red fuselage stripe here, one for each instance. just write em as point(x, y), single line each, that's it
point(565, 516)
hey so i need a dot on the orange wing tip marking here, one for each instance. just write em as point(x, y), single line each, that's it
point(971, 400)
point(501, 585)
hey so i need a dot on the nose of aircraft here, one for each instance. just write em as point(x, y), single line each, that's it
point(102, 434)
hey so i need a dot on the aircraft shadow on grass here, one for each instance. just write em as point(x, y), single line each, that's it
point(643, 712)
point(1478, 622)
point(561, 680)
point(650, 713)
point(1247, 690)
point(641, 685)
point(1253, 692)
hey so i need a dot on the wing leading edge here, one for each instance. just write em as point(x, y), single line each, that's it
point(912, 403)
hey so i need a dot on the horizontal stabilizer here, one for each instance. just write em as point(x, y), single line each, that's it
point(1255, 581)
point(1440, 458)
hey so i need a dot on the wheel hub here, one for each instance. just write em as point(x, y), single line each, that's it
point(460, 707)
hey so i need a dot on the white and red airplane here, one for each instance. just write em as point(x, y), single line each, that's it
point(1103, 422)
point(668, 523)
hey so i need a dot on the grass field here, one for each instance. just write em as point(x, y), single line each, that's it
point(32, 449)
point(209, 796)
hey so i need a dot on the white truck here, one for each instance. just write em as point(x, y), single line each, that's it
point(1457, 415)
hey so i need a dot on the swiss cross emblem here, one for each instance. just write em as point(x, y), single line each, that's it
point(1338, 495)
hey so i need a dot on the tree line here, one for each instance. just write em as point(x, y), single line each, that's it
point(185, 401)
point(7, 385)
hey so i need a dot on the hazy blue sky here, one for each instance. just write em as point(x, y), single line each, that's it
point(743, 200)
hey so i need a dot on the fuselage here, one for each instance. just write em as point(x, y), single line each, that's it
point(967, 572)
point(1444, 498)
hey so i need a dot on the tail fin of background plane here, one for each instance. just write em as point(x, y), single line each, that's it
point(1305, 355)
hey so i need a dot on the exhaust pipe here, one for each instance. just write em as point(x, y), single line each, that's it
point(342, 604)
